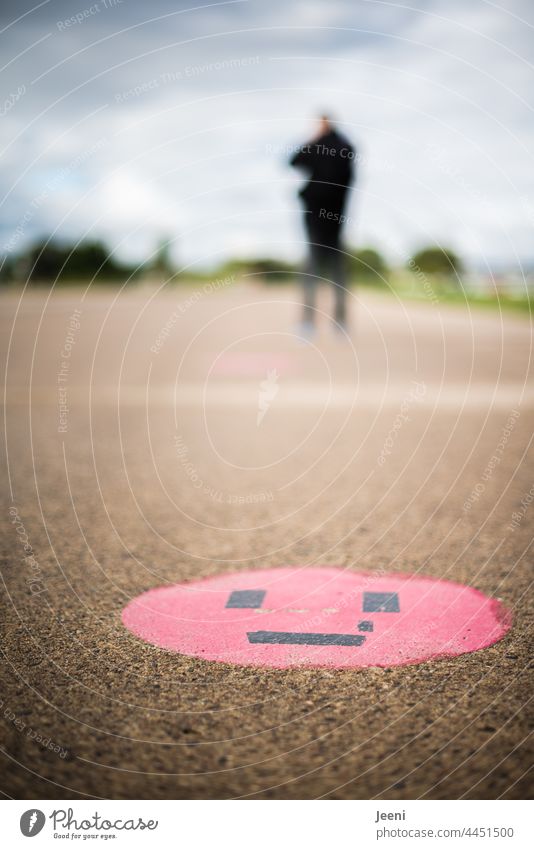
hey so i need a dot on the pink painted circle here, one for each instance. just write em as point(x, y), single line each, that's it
point(325, 617)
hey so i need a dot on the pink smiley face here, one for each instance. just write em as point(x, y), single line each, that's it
point(325, 617)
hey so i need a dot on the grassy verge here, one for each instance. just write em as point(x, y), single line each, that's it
point(439, 290)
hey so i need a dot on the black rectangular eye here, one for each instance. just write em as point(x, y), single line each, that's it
point(365, 625)
point(381, 603)
point(246, 598)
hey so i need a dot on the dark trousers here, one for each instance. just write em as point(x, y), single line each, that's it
point(327, 262)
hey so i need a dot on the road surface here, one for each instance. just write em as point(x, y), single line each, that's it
point(157, 437)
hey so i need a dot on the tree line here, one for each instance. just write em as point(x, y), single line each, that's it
point(48, 261)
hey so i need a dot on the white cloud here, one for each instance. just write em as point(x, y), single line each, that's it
point(434, 99)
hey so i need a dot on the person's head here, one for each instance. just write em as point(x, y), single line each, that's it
point(325, 124)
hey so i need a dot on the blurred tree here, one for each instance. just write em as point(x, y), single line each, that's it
point(435, 260)
point(163, 263)
point(7, 270)
point(50, 260)
point(272, 270)
point(369, 265)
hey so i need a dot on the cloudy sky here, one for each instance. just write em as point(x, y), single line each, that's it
point(135, 121)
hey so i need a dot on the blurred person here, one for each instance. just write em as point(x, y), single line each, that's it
point(328, 161)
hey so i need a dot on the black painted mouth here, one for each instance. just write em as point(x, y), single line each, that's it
point(301, 639)
point(372, 602)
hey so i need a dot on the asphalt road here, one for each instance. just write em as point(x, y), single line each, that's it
point(153, 438)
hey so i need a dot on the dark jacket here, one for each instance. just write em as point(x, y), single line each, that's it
point(329, 165)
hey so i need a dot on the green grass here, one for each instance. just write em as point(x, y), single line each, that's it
point(442, 291)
